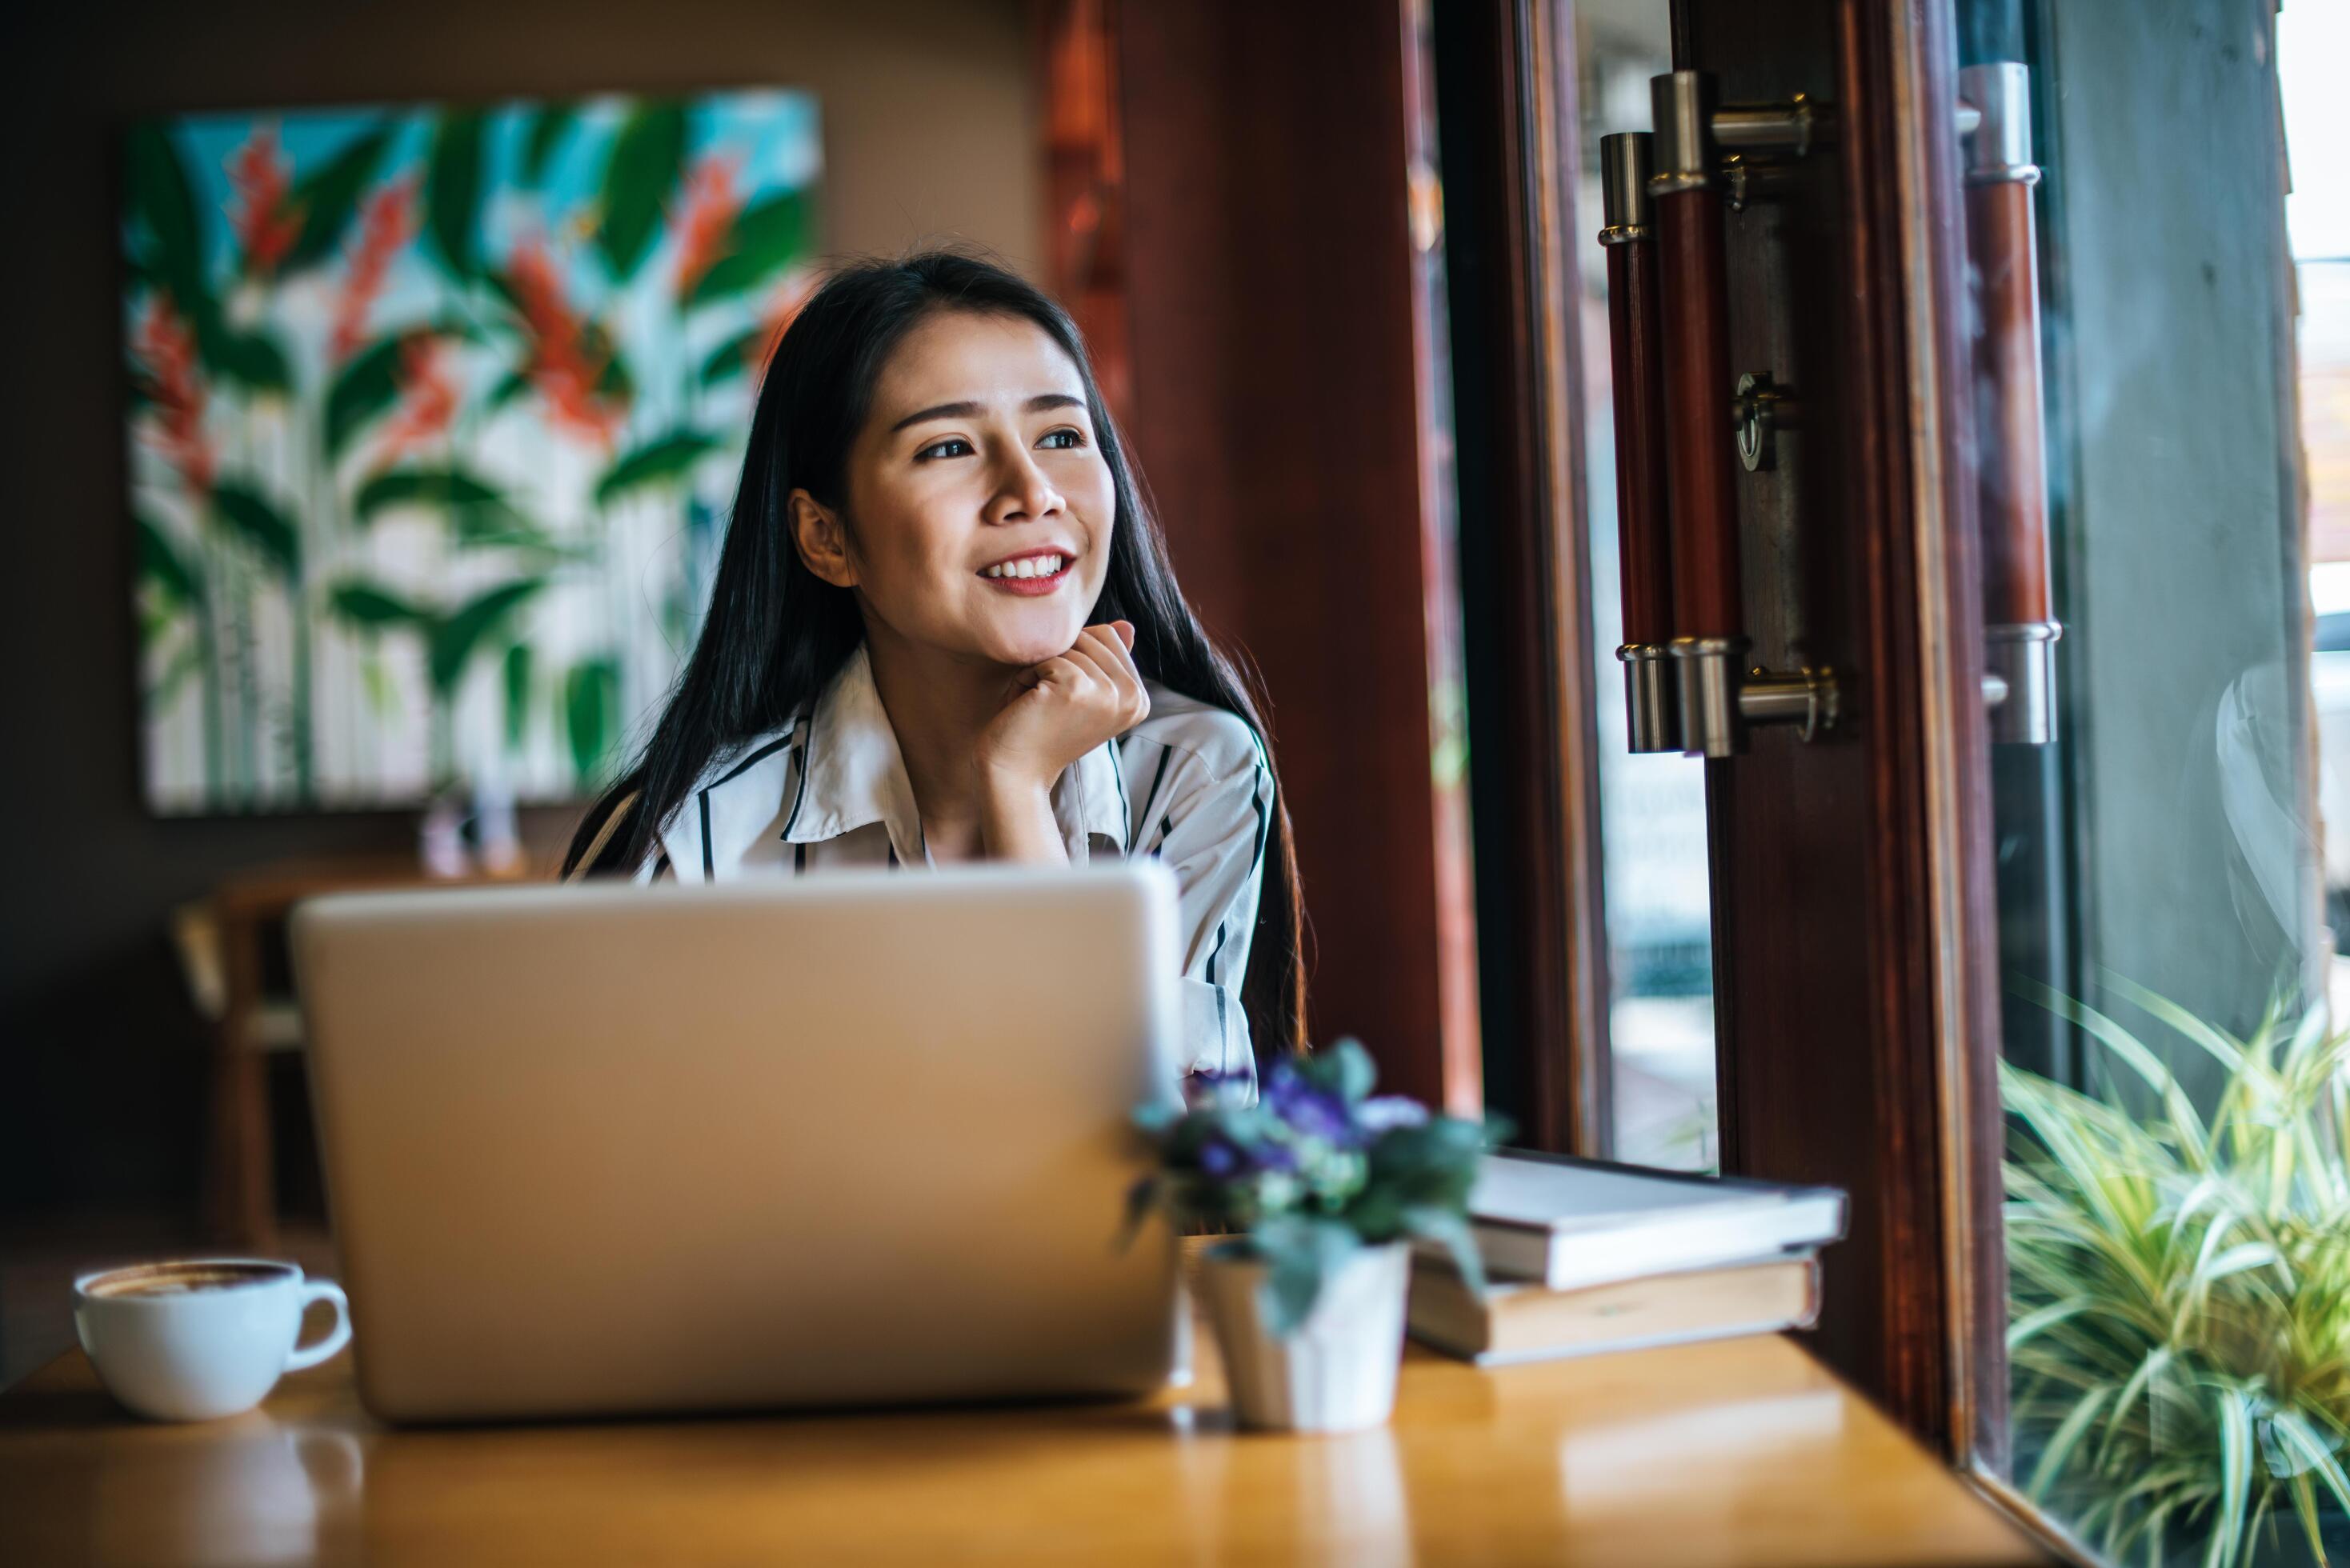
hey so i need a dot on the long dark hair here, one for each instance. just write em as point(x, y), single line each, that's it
point(777, 633)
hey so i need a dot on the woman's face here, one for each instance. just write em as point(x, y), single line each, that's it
point(977, 467)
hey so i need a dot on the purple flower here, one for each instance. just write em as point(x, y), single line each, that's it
point(1219, 1158)
point(1308, 1111)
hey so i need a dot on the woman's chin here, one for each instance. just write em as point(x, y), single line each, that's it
point(1030, 644)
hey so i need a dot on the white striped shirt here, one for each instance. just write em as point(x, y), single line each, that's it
point(1188, 786)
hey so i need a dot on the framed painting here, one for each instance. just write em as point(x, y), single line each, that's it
point(434, 415)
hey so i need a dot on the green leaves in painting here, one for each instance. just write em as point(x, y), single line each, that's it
point(167, 253)
point(450, 640)
point(162, 565)
point(766, 237)
point(453, 191)
point(517, 674)
point(591, 711)
point(361, 390)
point(329, 196)
point(480, 512)
point(733, 357)
point(547, 128)
point(245, 513)
point(458, 635)
point(163, 203)
point(647, 157)
point(667, 458)
point(252, 360)
point(374, 607)
point(368, 386)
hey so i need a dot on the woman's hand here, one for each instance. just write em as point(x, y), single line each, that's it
point(1064, 708)
point(1060, 710)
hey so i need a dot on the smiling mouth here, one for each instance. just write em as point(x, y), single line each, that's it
point(1028, 567)
point(1030, 577)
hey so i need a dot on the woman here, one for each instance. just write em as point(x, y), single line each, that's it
point(944, 627)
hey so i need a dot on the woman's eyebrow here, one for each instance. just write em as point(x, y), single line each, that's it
point(1036, 405)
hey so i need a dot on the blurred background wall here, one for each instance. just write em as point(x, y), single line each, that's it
point(929, 131)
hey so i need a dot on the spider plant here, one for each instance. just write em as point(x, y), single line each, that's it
point(2180, 1286)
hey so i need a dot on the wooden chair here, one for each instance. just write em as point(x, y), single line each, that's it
point(221, 942)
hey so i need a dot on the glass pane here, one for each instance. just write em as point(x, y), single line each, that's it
point(1651, 808)
point(2173, 866)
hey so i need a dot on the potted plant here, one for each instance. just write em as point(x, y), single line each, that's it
point(1321, 1188)
point(2181, 1334)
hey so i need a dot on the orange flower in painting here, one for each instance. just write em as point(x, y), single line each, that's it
point(703, 217)
point(783, 310)
point(564, 365)
point(387, 223)
point(263, 216)
point(166, 345)
point(428, 395)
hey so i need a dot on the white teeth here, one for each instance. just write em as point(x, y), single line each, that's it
point(1029, 566)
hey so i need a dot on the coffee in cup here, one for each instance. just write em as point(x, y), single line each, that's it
point(209, 1336)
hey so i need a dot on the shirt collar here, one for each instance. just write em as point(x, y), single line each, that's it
point(857, 776)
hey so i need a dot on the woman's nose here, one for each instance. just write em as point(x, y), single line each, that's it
point(1024, 493)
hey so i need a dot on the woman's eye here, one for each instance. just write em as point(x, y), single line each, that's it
point(1063, 438)
point(940, 448)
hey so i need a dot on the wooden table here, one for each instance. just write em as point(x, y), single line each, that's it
point(1740, 1451)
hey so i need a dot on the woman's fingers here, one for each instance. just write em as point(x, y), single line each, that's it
point(1117, 662)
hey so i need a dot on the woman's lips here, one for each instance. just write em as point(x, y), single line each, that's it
point(1031, 587)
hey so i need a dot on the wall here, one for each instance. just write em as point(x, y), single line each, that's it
point(1276, 386)
point(927, 124)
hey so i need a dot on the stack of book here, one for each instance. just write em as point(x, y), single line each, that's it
point(1583, 1258)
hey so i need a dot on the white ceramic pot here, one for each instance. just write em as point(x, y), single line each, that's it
point(1337, 1372)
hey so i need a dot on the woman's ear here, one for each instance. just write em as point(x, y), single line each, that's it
point(822, 542)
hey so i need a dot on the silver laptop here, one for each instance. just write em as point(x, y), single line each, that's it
point(862, 1138)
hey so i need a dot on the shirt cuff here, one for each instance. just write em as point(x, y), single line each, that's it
point(1215, 1030)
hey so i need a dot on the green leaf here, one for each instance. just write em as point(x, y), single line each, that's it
point(162, 201)
point(1343, 1068)
point(591, 705)
point(480, 513)
point(766, 237)
point(252, 360)
point(373, 607)
point(245, 512)
point(1449, 1228)
point(453, 191)
point(458, 637)
point(362, 391)
point(512, 385)
point(159, 563)
point(517, 693)
point(641, 171)
point(328, 197)
point(547, 128)
point(1301, 1254)
point(733, 357)
point(666, 458)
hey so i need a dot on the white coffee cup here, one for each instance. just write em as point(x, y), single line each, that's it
point(190, 1340)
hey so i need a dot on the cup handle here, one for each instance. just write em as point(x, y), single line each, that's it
point(337, 1338)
